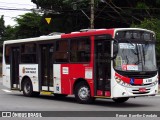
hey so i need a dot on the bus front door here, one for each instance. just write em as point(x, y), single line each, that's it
point(46, 67)
point(102, 67)
point(14, 68)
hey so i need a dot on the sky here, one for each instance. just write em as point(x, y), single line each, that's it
point(14, 4)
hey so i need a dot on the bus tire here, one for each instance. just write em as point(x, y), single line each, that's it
point(120, 100)
point(83, 93)
point(28, 88)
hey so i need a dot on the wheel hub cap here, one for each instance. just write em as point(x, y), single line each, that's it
point(83, 93)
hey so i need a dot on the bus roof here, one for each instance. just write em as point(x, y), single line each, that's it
point(41, 38)
point(75, 34)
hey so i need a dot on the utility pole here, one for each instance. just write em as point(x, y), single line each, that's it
point(92, 15)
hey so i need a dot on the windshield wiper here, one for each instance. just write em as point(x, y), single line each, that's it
point(127, 59)
point(135, 52)
point(130, 42)
point(137, 55)
point(143, 54)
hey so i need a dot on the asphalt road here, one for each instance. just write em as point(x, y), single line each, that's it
point(15, 101)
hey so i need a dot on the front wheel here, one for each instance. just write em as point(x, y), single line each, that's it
point(28, 88)
point(83, 93)
point(120, 100)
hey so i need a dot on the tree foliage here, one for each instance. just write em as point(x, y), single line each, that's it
point(2, 27)
point(117, 13)
point(59, 5)
point(70, 15)
point(151, 24)
point(9, 33)
point(28, 25)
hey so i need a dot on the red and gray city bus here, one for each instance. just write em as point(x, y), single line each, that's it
point(115, 63)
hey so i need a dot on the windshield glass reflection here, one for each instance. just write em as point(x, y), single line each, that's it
point(135, 57)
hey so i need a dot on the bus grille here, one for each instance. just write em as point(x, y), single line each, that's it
point(136, 91)
point(142, 84)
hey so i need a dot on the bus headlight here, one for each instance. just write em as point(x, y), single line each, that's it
point(154, 83)
point(124, 84)
point(118, 79)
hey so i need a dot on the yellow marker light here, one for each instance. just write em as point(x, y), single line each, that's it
point(46, 93)
point(48, 20)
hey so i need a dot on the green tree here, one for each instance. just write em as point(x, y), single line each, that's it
point(28, 25)
point(151, 24)
point(9, 33)
point(2, 28)
point(59, 5)
point(64, 18)
point(108, 13)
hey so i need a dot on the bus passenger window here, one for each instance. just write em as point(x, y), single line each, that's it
point(7, 54)
point(28, 53)
point(28, 48)
point(80, 50)
point(61, 54)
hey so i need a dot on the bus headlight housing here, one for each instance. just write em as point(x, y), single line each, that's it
point(118, 79)
point(121, 82)
point(154, 83)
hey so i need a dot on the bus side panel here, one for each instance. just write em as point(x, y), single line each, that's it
point(6, 76)
point(66, 81)
point(71, 72)
point(57, 78)
point(31, 71)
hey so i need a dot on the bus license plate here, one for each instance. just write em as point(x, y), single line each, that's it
point(142, 89)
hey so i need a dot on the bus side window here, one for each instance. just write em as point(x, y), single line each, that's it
point(28, 53)
point(80, 50)
point(7, 54)
point(61, 53)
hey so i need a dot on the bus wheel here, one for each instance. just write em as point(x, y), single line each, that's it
point(27, 88)
point(60, 95)
point(120, 100)
point(83, 93)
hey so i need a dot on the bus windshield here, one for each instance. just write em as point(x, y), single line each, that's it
point(135, 57)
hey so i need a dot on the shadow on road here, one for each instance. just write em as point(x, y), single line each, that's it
point(97, 102)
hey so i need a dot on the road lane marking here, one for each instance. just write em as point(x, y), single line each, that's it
point(5, 90)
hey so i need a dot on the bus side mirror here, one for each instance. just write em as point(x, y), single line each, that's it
point(115, 49)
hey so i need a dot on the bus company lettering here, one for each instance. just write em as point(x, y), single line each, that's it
point(28, 70)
